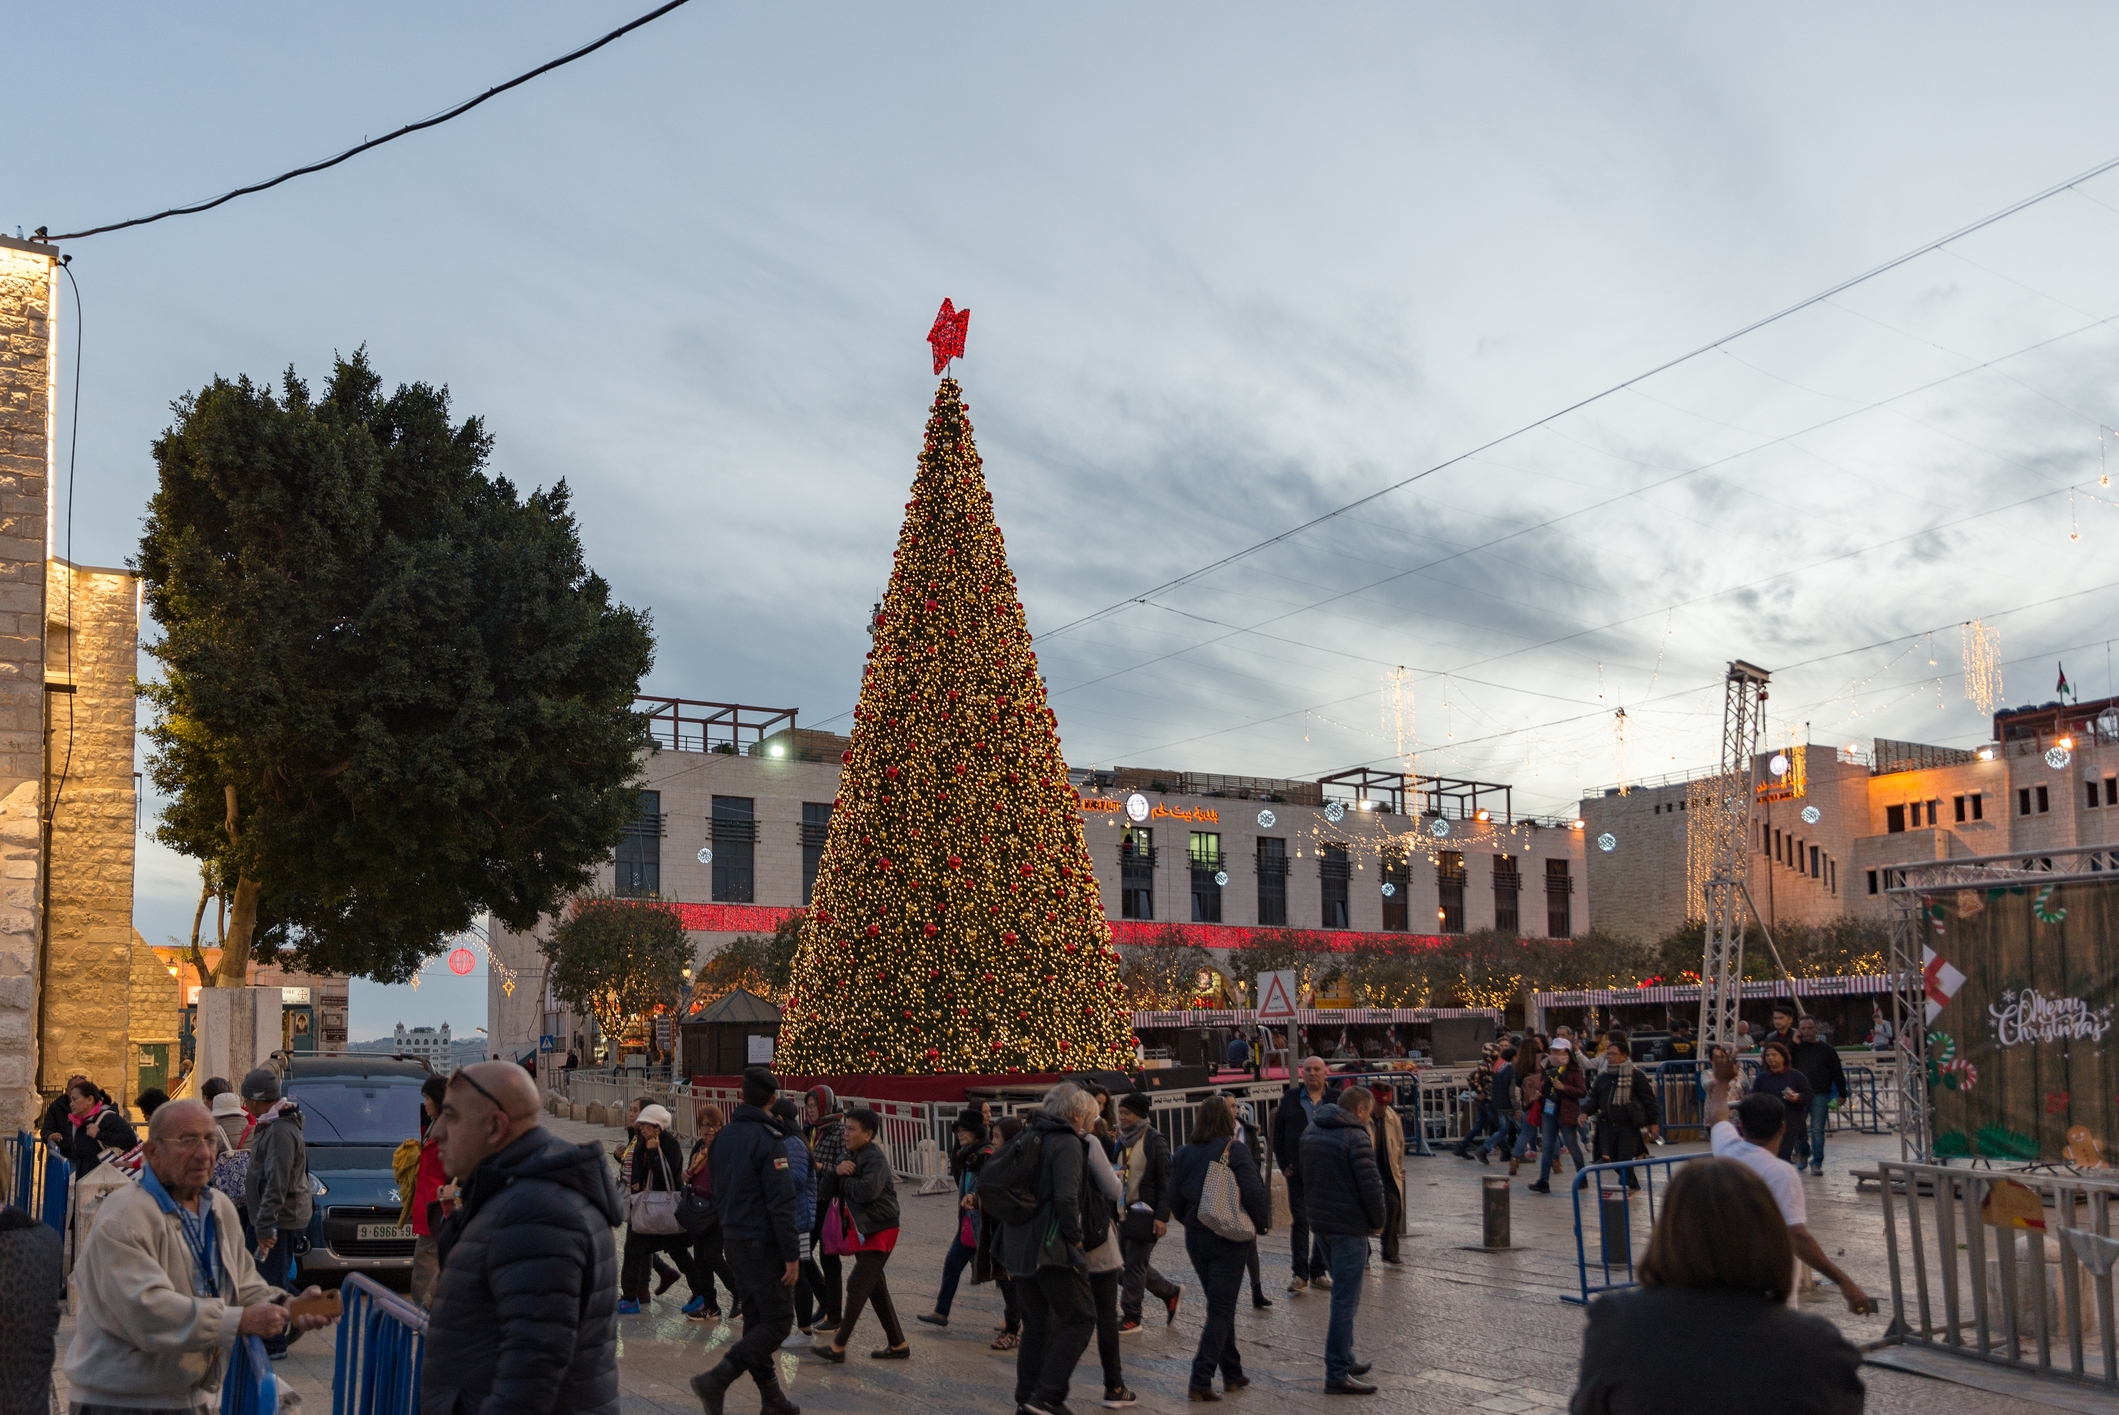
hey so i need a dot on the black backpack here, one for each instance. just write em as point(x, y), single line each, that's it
point(1008, 1181)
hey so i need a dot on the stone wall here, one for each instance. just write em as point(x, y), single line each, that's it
point(26, 390)
point(90, 662)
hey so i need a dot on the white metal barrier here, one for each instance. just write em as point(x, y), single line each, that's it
point(2010, 1267)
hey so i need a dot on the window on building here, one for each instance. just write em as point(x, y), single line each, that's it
point(1334, 873)
point(1814, 866)
point(1872, 881)
point(1895, 820)
point(1832, 875)
point(2023, 800)
point(2111, 791)
point(1449, 883)
point(1957, 807)
point(639, 862)
point(1398, 888)
point(1934, 807)
point(1559, 900)
point(1272, 882)
point(1136, 873)
point(2090, 789)
point(816, 825)
point(1979, 809)
point(1508, 896)
point(1204, 851)
point(1765, 838)
point(2043, 800)
point(735, 833)
point(1776, 846)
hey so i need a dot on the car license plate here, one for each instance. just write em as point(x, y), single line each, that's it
point(383, 1232)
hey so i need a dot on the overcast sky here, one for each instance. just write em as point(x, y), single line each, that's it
point(1228, 268)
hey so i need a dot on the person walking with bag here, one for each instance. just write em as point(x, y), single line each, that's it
point(864, 1226)
point(1217, 1194)
point(757, 1198)
point(1560, 1100)
point(827, 1146)
point(1107, 1263)
point(1144, 1169)
point(1387, 1132)
point(1622, 1099)
point(700, 1218)
point(654, 1185)
point(1037, 1187)
point(964, 1164)
point(1345, 1195)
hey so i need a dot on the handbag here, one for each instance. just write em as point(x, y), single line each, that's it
point(696, 1212)
point(842, 1238)
point(653, 1212)
point(967, 1232)
point(1221, 1203)
point(1107, 1256)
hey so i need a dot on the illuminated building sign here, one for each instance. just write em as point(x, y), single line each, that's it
point(1158, 811)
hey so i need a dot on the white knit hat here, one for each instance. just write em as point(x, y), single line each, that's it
point(653, 1115)
point(227, 1103)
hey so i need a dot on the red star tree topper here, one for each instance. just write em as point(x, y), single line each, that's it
point(947, 336)
point(956, 925)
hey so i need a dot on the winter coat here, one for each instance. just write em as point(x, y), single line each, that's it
point(32, 1282)
point(1053, 1236)
point(1821, 1067)
point(1289, 1122)
point(1390, 1143)
point(870, 1193)
point(1341, 1189)
point(524, 1314)
point(754, 1181)
point(1147, 1159)
point(144, 1335)
point(1508, 1094)
point(1618, 1132)
point(1642, 1356)
point(660, 1168)
point(1567, 1086)
point(83, 1144)
point(58, 1121)
point(804, 1180)
point(276, 1191)
point(827, 1146)
point(1188, 1179)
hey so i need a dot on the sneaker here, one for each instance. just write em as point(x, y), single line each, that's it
point(1298, 1284)
point(933, 1319)
point(1174, 1298)
point(1129, 1326)
point(796, 1340)
point(1119, 1398)
point(696, 1307)
point(627, 1307)
point(1322, 1281)
point(1817, 1169)
point(1538, 1187)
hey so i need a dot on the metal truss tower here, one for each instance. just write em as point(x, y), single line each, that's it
point(1729, 820)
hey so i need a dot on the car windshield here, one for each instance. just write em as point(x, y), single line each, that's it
point(355, 1111)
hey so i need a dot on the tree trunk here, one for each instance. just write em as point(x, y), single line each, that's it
point(242, 923)
point(198, 958)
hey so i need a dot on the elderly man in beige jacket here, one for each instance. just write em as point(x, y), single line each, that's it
point(165, 1285)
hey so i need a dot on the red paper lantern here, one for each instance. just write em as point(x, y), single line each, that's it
point(462, 961)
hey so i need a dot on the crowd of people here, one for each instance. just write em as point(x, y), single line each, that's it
point(531, 1251)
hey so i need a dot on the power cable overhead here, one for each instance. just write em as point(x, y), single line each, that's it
point(434, 122)
point(1961, 232)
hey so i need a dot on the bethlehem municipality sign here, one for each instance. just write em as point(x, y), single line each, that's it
point(2028, 1016)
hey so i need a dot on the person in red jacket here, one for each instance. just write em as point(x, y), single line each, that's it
point(425, 1201)
point(1560, 1111)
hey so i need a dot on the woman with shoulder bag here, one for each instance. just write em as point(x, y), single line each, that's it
point(1217, 1194)
point(862, 1223)
point(654, 1185)
point(700, 1218)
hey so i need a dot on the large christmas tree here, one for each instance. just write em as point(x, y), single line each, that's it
point(956, 925)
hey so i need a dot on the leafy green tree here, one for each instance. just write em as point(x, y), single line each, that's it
point(617, 959)
point(393, 696)
point(1163, 976)
point(759, 963)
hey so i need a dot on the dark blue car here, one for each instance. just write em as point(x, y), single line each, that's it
point(356, 1109)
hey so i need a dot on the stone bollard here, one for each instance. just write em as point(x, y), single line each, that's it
point(595, 1115)
point(1495, 1211)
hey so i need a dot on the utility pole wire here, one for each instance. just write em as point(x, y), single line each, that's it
point(436, 121)
point(1145, 595)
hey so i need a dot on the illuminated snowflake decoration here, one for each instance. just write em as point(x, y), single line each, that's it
point(1335, 812)
point(1607, 842)
point(1439, 828)
point(1389, 889)
point(706, 854)
point(1267, 820)
point(2058, 757)
point(1812, 815)
point(1221, 877)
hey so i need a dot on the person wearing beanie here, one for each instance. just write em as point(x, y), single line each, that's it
point(752, 1184)
point(276, 1186)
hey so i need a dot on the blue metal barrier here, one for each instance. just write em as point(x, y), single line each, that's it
point(37, 1181)
point(382, 1341)
point(248, 1386)
point(1614, 1210)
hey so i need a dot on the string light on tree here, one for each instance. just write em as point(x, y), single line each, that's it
point(956, 924)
